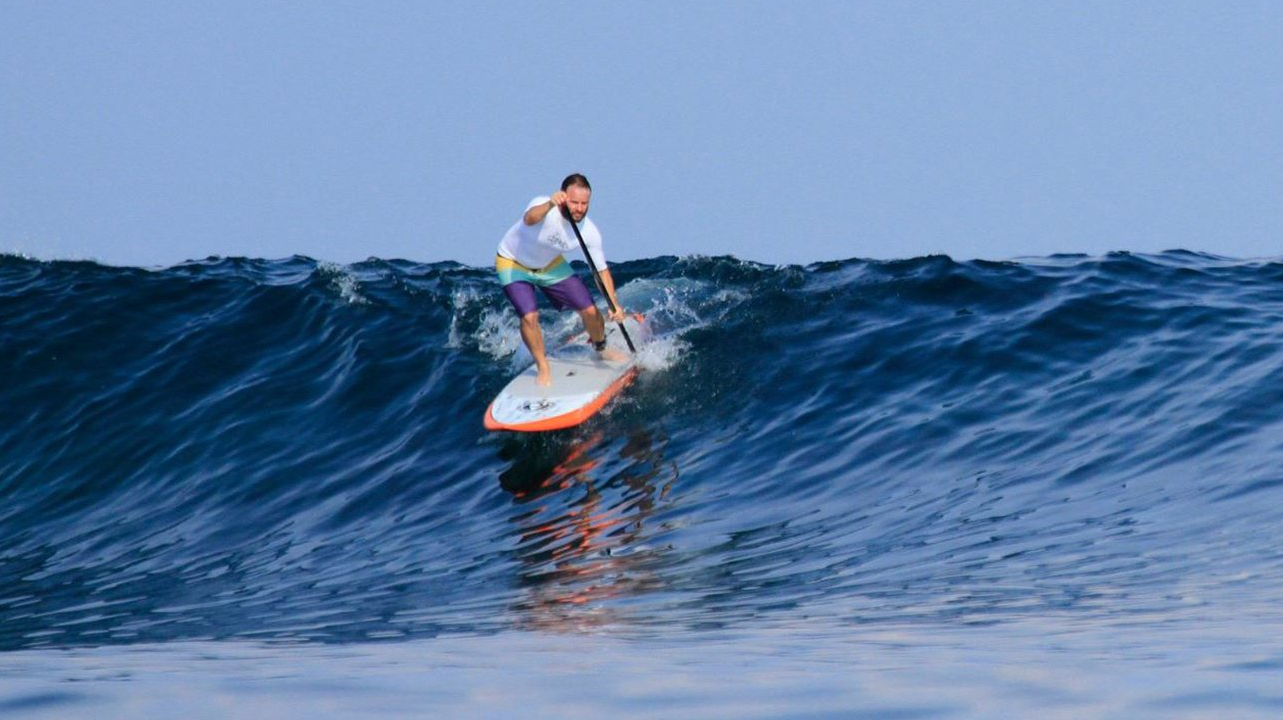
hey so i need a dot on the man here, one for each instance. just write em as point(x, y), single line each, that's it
point(530, 256)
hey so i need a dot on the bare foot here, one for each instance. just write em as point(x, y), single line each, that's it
point(611, 354)
point(544, 377)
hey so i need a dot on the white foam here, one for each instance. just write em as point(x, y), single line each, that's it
point(496, 334)
point(661, 353)
point(672, 307)
point(679, 305)
point(347, 286)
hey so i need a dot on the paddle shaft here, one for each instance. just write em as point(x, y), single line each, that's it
point(596, 276)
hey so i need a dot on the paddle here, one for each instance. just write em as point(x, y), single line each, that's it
point(596, 277)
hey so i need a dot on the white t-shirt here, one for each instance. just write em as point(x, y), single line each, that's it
point(536, 246)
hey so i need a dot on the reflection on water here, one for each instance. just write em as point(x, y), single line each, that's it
point(582, 527)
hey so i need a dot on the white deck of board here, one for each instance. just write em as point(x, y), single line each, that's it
point(579, 375)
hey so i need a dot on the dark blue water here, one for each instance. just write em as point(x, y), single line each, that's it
point(920, 488)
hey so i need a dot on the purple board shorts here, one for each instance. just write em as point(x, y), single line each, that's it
point(568, 294)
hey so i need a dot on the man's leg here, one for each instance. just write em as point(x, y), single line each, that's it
point(522, 296)
point(533, 337)
point(595, 325)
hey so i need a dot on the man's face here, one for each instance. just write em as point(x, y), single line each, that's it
point(577, 202)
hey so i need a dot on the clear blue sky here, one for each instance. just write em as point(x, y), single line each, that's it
point(146, 133)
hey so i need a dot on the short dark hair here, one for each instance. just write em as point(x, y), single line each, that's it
point(575, 180)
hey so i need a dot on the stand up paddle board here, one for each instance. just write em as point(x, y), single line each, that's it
point(582, 383)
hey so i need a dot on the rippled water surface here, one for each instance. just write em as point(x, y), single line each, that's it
point(899, 489)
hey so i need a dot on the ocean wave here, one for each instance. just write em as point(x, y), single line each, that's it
point(240, 448)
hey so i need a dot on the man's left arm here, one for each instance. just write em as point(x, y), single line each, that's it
point(609, 283)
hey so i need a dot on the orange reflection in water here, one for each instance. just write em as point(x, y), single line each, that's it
point(582, 537)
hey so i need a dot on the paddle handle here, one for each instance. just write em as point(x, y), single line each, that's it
point(596, 276)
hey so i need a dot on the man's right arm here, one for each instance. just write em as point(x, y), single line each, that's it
point(536, 214)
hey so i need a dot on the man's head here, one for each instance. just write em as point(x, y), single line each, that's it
point(578, 194)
